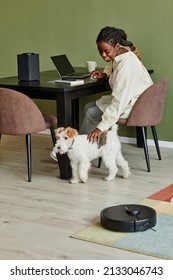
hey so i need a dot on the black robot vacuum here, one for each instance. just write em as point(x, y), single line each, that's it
point(128, 218)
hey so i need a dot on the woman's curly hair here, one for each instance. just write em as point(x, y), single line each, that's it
point(112, 35)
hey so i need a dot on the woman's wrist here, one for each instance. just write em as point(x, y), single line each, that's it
point(104, 75)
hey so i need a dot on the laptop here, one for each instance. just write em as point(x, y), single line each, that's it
point(65, 69)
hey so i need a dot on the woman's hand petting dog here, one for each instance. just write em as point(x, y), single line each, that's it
point(95, 136)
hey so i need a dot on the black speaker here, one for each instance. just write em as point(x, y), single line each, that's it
point(28, 67)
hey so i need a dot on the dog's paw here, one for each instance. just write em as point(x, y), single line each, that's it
point(84, 180)
point(108, 178)
point(74, 181)
point(126, 174)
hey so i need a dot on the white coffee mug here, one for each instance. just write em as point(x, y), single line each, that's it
point(91, 66)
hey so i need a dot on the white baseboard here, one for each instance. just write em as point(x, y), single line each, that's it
point(163, 144)
point(130, 140)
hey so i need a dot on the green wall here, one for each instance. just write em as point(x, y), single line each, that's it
point(71, 26)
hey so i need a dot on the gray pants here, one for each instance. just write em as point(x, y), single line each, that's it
point(91, 118)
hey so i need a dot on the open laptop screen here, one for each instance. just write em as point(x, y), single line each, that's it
point(62, 65)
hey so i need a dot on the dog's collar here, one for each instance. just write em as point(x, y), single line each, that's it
point(71, 147)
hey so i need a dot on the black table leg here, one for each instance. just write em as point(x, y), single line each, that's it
point(65, 119)
point(64, 167)
point(75, 113)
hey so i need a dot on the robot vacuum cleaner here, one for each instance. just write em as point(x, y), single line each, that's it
point(128, 218)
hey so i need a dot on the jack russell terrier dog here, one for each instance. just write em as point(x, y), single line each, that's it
point(81, 152)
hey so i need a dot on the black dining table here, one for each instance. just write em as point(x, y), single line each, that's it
point(66, 97)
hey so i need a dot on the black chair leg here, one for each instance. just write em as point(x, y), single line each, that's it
point(0, 137)
point(139, 136)
point(156, 141)
point(52, 131)
point(146, 149)
point(29, 162)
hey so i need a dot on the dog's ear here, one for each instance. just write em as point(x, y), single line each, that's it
point(59, 130)
point(71, 132)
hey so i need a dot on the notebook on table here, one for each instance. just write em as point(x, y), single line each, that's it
point(65, 69)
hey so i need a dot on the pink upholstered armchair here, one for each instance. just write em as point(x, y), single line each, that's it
point(19, 115)
point(148, 111)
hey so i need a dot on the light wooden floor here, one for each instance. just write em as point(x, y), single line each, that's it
point(37, 218)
